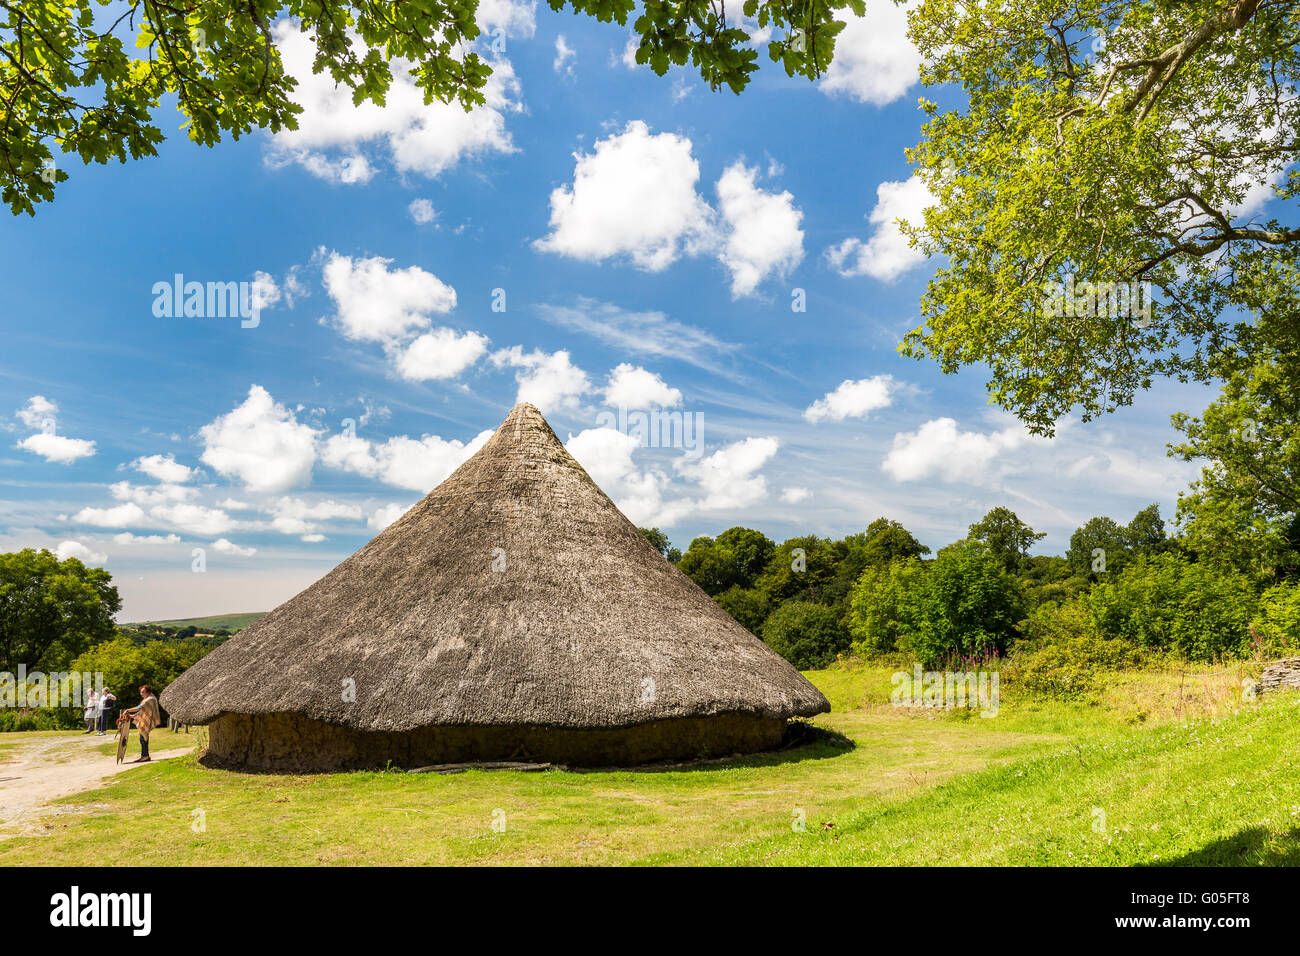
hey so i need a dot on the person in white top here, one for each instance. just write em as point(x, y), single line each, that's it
point(106, 702)
point(91, 712)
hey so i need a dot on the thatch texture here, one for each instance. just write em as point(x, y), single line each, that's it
point(576, 622)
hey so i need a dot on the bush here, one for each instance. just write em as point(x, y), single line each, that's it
point(1275, 630)
point(963, 604)
point(1169, 603)
point(882, 606)
point(1063, 654)
point(807, 635)
point(126, 665)
point(43, 718)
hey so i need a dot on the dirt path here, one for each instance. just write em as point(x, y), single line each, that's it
point(37, 771)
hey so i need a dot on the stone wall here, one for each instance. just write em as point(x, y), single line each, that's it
point(296, 744)
point(1281, 674)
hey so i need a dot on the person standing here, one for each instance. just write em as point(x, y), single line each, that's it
point(90, 712)
point(147, 715)
point(107, 701)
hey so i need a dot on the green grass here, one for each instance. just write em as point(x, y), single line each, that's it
point(231, 622)
point(1178, 775)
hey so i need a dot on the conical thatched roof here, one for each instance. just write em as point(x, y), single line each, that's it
point(587, 626)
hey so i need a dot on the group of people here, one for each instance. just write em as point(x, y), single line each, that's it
point(146, 715)
point(97, 711)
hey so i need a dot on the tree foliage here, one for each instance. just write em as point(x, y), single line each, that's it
point(808, 635)
point(1103, 546)
point(1006, 536)
point(51, 610)
point(127, 665)
point(1170, 603)
point(75, 79)
point(1102, 142)
point(659, 541)
point(964, 604)
point(1243, 511)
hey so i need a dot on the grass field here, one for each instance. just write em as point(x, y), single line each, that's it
point(1158, 770)
point(231, 622)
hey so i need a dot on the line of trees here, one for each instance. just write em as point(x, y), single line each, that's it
point(1122, 592)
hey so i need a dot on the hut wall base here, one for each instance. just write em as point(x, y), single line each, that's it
point(296, 744)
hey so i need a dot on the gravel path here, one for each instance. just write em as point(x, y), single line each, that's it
point(45, 768)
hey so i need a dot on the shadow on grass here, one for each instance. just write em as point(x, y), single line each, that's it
point(802, 742)
point(1253, 846)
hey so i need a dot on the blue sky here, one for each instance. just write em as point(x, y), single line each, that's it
point(648, 238)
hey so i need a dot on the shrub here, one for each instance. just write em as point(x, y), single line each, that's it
point(808, 635)
point(1170, 603)
point(1275, 630)
point(43, 718)
point(1064, 655)
point(963, 604)
point(882, 606)
point(126, 665)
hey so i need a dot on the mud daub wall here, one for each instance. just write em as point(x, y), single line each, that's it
point(291, 742)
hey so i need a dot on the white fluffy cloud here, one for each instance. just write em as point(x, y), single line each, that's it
point(120, 516)
point(606, 454)
point(75, 549)
point(296, 516)
point(939, 449)
point(126, 538)
point(440, 354)
point(164, 468)
point(261, 444)
point(149, 495)
point(194, 519)
point(401, 461)
point(852, 399)
point(422, 211)
point(795, 494)
point(224, 546)
point(343, 142)
point(631, 386)
point(385, 515)
point(729, 476)
point(507, 17)
point(887, 254)
point(724, 480)
point(548, 380)
point(762, 230)
point(874, 61)
point(633, 197)
point(379, 304)
point(56, 448)
point(41, 413)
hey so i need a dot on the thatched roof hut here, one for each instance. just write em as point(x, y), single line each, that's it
point(513, 613)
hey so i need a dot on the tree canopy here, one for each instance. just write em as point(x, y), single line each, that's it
point(77, 80)
point(1006, 536)
point(1098, 146)
point(1244, 509)
point(51, 610)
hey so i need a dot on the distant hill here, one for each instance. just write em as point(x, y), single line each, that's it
point(231, 622)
